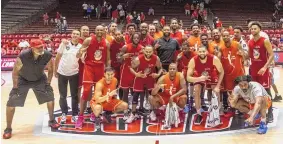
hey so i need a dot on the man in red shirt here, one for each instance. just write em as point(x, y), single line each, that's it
point(146, 39)
point(175, 33)
point(97, 51)
point(131, 29)
point(261, 55)
point(115, 15)
point(163, 21)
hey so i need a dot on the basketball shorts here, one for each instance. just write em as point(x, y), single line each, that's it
point(165, 99)
point(108, 106)
point(81, 72)
point(141, 83)
point(92, 74)
point(264, 79)
point(126, 77)
point(42, 93)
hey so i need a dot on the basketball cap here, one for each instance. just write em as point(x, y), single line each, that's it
point(36, 43)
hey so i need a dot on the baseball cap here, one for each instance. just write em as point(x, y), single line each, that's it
point(36, 43)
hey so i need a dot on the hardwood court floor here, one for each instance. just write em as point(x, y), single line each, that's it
point(25, 122)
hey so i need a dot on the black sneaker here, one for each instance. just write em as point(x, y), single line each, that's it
point(107, 117)
point(198, 120)
point(97, 122)
point(277, 98)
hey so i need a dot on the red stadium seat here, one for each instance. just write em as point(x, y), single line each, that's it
point(277, 35)
point(271, 31)
point(34, 35)
point(51, 35)
point(63, 35)
point(29, 36)
point(56, 46)
point(281, 31)
point(57, 40)
point(277, 31)
point(10, 36)
point(69, 35)
point(266, 31)
point(58, 35)
point(16, 52)
point(271, 35)
point(3, 36)
point(9, 52)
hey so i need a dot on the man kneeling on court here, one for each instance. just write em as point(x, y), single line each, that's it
point(105, 97)
point(250, 97)
point(169, 88)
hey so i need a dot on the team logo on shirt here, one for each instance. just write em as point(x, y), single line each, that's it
point(98, 55)
point(256, 53)
point(147, 71)
point(204, 73)
point(67, 47)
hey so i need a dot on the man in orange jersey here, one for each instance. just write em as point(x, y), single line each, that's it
point(144, 69)
point(128, 53)
point(169, 88)
point(104, 98)
point(146, 39)
point(97, 51)
point(232, 58)
point(194, 39)
point(217, 42)
point(158, 34)
point(131, 29)
point(201, 71)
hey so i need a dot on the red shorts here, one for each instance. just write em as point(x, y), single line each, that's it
point(126, 78)
point(165, 99)
point(81, 72)
point(92, 74)
point(141, 83)
point(264, 79)
point(107, 106)
point(228, 82)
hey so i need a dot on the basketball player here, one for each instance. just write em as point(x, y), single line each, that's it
point(104, 98)
point(97, 51)
point(204, 40)
point(175, 33)
point(131, 29)
point(250, 97)
point(127, 54)
point(146, 39)
point(194, 39)
point(217, 42)
point(28, 72)
point(201, 71)
point(261, 55)
point(158, 34)
point(169, 88)
point(232, 58)
point(84, 34)
point(152, 30)
point(67, 71)
point(144, 69)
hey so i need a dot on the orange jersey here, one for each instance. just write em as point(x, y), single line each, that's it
point(107, 88)
point(213, 44)
point(172, 86)
point(109, 38)
point(194, 41)
point(229, 56)
point(158, 35)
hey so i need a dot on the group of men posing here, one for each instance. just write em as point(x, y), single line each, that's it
point(159, 68)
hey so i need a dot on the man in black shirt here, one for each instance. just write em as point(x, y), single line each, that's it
point(28, 73)
point(166, 48)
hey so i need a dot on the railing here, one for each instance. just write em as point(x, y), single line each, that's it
point(210, 18)
point(33, 18)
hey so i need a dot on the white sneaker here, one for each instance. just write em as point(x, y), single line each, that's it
point(63, 118)
point(131, 118)
point(74, 119)
point(152, 116)
point(126, 115)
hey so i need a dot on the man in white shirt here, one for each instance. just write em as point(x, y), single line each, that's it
point(250, 97)
point(119, 7)
point(85, 9)
point(67, 70)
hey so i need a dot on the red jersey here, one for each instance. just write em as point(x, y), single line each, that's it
point(148, 40)
point(172, 86)
point(258, 54)
point(96, 52)
point(204, 68)
point(230, 59)
point(81, 41)
point(178, 36)
point(147, 66)
point(135, 51)
point(115, 49)
point(184, 61)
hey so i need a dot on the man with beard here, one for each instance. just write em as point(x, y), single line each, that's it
point(217, 42)
point(97, 51)
point(169, 88)
point(144, 69)
point(84, 34)
point(104, 98)
point(194, 39)
point(261, 55)
point(28, 72)
point(175, 33)
point(111, 32)
point(232, 58)
point(200, 72)
point(131, 29)
point(238, 37)
point(204, 40)
point(251, 98)
point(166, 48)
point(128, 53)
point(146, 39)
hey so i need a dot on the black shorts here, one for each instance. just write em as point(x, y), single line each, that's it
point(39, 89)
